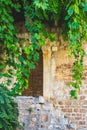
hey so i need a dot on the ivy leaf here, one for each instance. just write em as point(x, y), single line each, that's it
point(70, 11)
point(32, 65)
point(74, 93)
point(85, 7)
point(1, 125)
point(9, 82)
point(37, 36)
point(1, 100)
point(21, 59)
point(67, 17)
point(36, 57)
point(75, 85)
point(76, 8)
point(26, 74)
point(26, 50)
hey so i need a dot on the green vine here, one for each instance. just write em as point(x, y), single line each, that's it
point(76, 17)
point(70, 16)
point(8, 111)
point(8, 40)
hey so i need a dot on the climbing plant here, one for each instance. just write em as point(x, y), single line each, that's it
point(70, 16)
point(76, 17)
point(8, 111)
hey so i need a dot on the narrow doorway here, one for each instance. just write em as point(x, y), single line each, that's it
point(36, 80)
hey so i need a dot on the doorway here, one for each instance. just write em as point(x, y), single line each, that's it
point(36, 80)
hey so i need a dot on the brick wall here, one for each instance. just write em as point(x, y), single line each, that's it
point(60, 66)
point(57, 72)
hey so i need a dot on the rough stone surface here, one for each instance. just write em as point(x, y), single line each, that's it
point(38, 115)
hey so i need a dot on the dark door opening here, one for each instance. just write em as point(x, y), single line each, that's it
point(36, 80)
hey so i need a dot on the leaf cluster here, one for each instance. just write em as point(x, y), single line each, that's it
point(8, 111)
point(76, 18)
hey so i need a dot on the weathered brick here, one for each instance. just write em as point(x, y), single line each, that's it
point(65, 110)
point(81, 122)
point(70, 110)
point(76, 110)
point(82, 97)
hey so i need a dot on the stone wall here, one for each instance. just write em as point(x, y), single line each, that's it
point(57, 72)
point(38, 114)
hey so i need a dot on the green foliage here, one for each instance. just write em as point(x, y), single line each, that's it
point(76, 18)
point(30, 110)
point(8, 40)
point(70, 16)
point(8, 111)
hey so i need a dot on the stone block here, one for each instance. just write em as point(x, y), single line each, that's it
point(44, 118)
point(63, 121)
point(41, 100)
point(71, 126)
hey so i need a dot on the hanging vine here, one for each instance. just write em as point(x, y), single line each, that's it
point(70, 16)
point(76, 17)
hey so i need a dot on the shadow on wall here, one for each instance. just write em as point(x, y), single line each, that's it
point(36, 80)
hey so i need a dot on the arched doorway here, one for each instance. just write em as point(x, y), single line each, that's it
point(36, 80)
